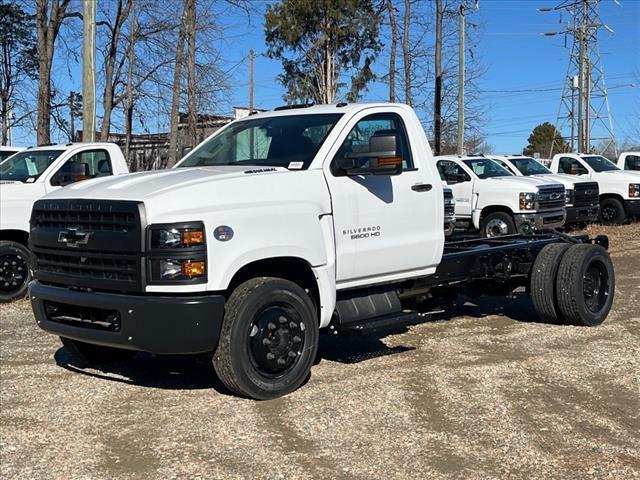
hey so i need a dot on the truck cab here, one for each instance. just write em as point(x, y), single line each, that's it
point(619, 190)
point(492, 200)
point(31, 174)
point(279, 225)
point(582, 198)
point(629, 161)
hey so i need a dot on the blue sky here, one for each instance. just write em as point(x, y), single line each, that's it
point(518, 57)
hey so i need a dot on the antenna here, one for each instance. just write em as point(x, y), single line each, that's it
point(584, 115)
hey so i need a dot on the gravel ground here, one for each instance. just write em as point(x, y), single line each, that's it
point(487, 393)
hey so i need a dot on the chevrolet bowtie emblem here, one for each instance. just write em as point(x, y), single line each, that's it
point(73, 238)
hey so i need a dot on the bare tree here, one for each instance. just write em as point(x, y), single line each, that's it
point(192, 108)
point(437, 95)
point(394, 47)
point(128, 109)
point(406, 52)
point(49, 17)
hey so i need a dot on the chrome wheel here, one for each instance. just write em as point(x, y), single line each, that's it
point(496, 227)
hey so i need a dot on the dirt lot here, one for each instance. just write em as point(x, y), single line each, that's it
point(488, 393)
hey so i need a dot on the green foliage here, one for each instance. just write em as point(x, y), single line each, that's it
point(320, 41)
point(541, 139)
point(18, 45)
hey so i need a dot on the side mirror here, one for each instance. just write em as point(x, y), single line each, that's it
point(381, 159)
point(453, 177)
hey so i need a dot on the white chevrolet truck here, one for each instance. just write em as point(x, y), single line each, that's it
point(492, 200)
point(29, 175)
point(275, 227)
point(619, 190)
point(629, 161)
point(582, 196)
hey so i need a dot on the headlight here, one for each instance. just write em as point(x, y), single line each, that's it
point(527, 201)
point(634, 190)
point(568, 196)
point(177, 254)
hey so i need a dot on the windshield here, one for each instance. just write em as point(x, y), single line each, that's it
point(290, 141)
point(4, 154)
point(27, 166)
point(529, 166)
point(599, 164)
point(485, 168)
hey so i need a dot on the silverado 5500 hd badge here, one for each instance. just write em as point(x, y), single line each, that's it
point(363, 232)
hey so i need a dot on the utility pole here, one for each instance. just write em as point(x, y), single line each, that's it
point(89, 71)
point(437, 101)
point(585, 78)
point(251, 55)
point(461, 83)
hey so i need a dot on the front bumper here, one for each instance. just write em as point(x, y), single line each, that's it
point(632, 207)
point(540, 220)
point(582, 214)
point(156, 324)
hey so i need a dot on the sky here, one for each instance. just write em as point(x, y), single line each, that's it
point(521, 88)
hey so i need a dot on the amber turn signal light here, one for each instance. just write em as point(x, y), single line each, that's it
point(192, 237)
point(194, 269)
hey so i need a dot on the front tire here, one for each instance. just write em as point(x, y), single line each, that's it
point(585, 285)
point(90, 353)
point(269, 338)
point(612, 212)
point(497, 224)
point(16, 263)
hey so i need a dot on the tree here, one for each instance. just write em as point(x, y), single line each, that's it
point(541, 139)
point(320, 42)
point(406, 53)
point(394, 46)
point(49, 17)
point(19, 60)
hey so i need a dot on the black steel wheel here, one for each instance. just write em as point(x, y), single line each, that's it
point(15, 270)
point(612, 211)
point(585, 285)
point(268, 340)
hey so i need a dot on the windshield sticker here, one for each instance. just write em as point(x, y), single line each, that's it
point(261, 170)
point(296, 165)
point(362, 232)
point(30, 180)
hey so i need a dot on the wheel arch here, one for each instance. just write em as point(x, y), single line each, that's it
point(14, 235)
point(616, 196)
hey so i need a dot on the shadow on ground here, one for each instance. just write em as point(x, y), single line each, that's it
point(197, 372)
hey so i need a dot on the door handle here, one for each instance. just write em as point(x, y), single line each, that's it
point(421, 187)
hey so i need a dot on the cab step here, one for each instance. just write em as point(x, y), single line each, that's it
point(387, 322)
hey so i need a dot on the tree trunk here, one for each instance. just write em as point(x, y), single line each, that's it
point(5, 120)
point(128, 109)
point(48, 22)
point(406, 53)
point(176, 90)
point(122, 12)
point(192, 118)
point(394, 47)
point(437, 101)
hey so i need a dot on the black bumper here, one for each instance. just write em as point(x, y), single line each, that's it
point(582, 214)
point(632, 207)
point(162, 325)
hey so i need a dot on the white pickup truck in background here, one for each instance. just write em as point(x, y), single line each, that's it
point(276, 226)
point(619, 190)
point(629, 161)
point(492, 200)
point(582, 196)
point(28, 176)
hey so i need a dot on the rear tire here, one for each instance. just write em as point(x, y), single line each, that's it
point(543, 282)
point(585, 285)
point(268, 340)
point(611, 212)
point(90, 353)
point(16, 263)
point(497, 224)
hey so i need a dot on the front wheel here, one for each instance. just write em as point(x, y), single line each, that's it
point(612, 212)
point(497, 224)
point(269, 338)
point(15, 270)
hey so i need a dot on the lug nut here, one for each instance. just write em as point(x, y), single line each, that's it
point(266, 341)
point(282, 319)
point(281, 361)
point(270, 356)
point(271, 326)
point(297, 339)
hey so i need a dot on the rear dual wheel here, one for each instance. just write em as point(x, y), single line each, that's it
point(573, 284)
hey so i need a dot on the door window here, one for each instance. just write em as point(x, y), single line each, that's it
point(571, 166)
point(378, 124)
point(632, 162)
point(83, 166)
point(451, 172)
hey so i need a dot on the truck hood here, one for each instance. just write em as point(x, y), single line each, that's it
point(143, 186)
point(524, 184)
point(618, 176)
point(567, 180)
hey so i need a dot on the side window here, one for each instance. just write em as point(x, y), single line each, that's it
point(451, 172)
point(368, 128)
point(632, 162)
point(83, 166)
point(571, 166)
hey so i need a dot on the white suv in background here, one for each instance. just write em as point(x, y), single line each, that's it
point(582, 196)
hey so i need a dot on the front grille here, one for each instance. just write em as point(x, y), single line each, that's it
point(586, 194)
point(449, 205)
point(96, 244)
point(550, 198)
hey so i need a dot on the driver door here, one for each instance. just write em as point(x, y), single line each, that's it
point(460, 182)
